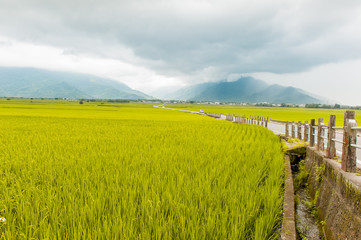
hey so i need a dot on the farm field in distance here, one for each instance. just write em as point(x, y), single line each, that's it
point(275, 113)
point(131, 171)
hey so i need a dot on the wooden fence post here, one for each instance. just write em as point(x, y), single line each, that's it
point(349, 165)
point(347, 115)
point(293, 129)
point(312, 136)
point(287, 133)
point(299, 133)
point(331, 147)
point(320, 145)
point(306, 132)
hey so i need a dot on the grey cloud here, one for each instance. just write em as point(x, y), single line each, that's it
point(191, 37)
point(5, 43)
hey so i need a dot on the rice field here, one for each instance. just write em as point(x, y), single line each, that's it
point(130, 171)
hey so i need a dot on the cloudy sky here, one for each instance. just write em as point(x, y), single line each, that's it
point(147, 44)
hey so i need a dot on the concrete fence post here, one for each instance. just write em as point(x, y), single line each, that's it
point(349, 165)
point(312, 130)
point(320, 133)
point(299, 133)
point(287, 129)
point(331, 146)
point(347, 115)
point(266, 124)
point(293, 129)
point(306, 133)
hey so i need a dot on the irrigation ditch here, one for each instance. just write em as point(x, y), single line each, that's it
point(306, 221)
point(322, 185)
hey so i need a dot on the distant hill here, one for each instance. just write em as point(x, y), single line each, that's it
point(245, 89)
point(38, 83)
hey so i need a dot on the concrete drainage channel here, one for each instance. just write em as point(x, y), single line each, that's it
point(328, 199)
point(305, 222)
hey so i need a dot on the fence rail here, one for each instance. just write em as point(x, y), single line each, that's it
point(320, 136)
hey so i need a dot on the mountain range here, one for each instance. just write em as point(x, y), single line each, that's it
point(39, 83)
point(245, 89)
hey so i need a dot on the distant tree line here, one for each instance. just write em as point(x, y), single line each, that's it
point(316, 105)
point(336, 106)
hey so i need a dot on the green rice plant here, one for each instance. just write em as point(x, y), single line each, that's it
point(130, 171)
